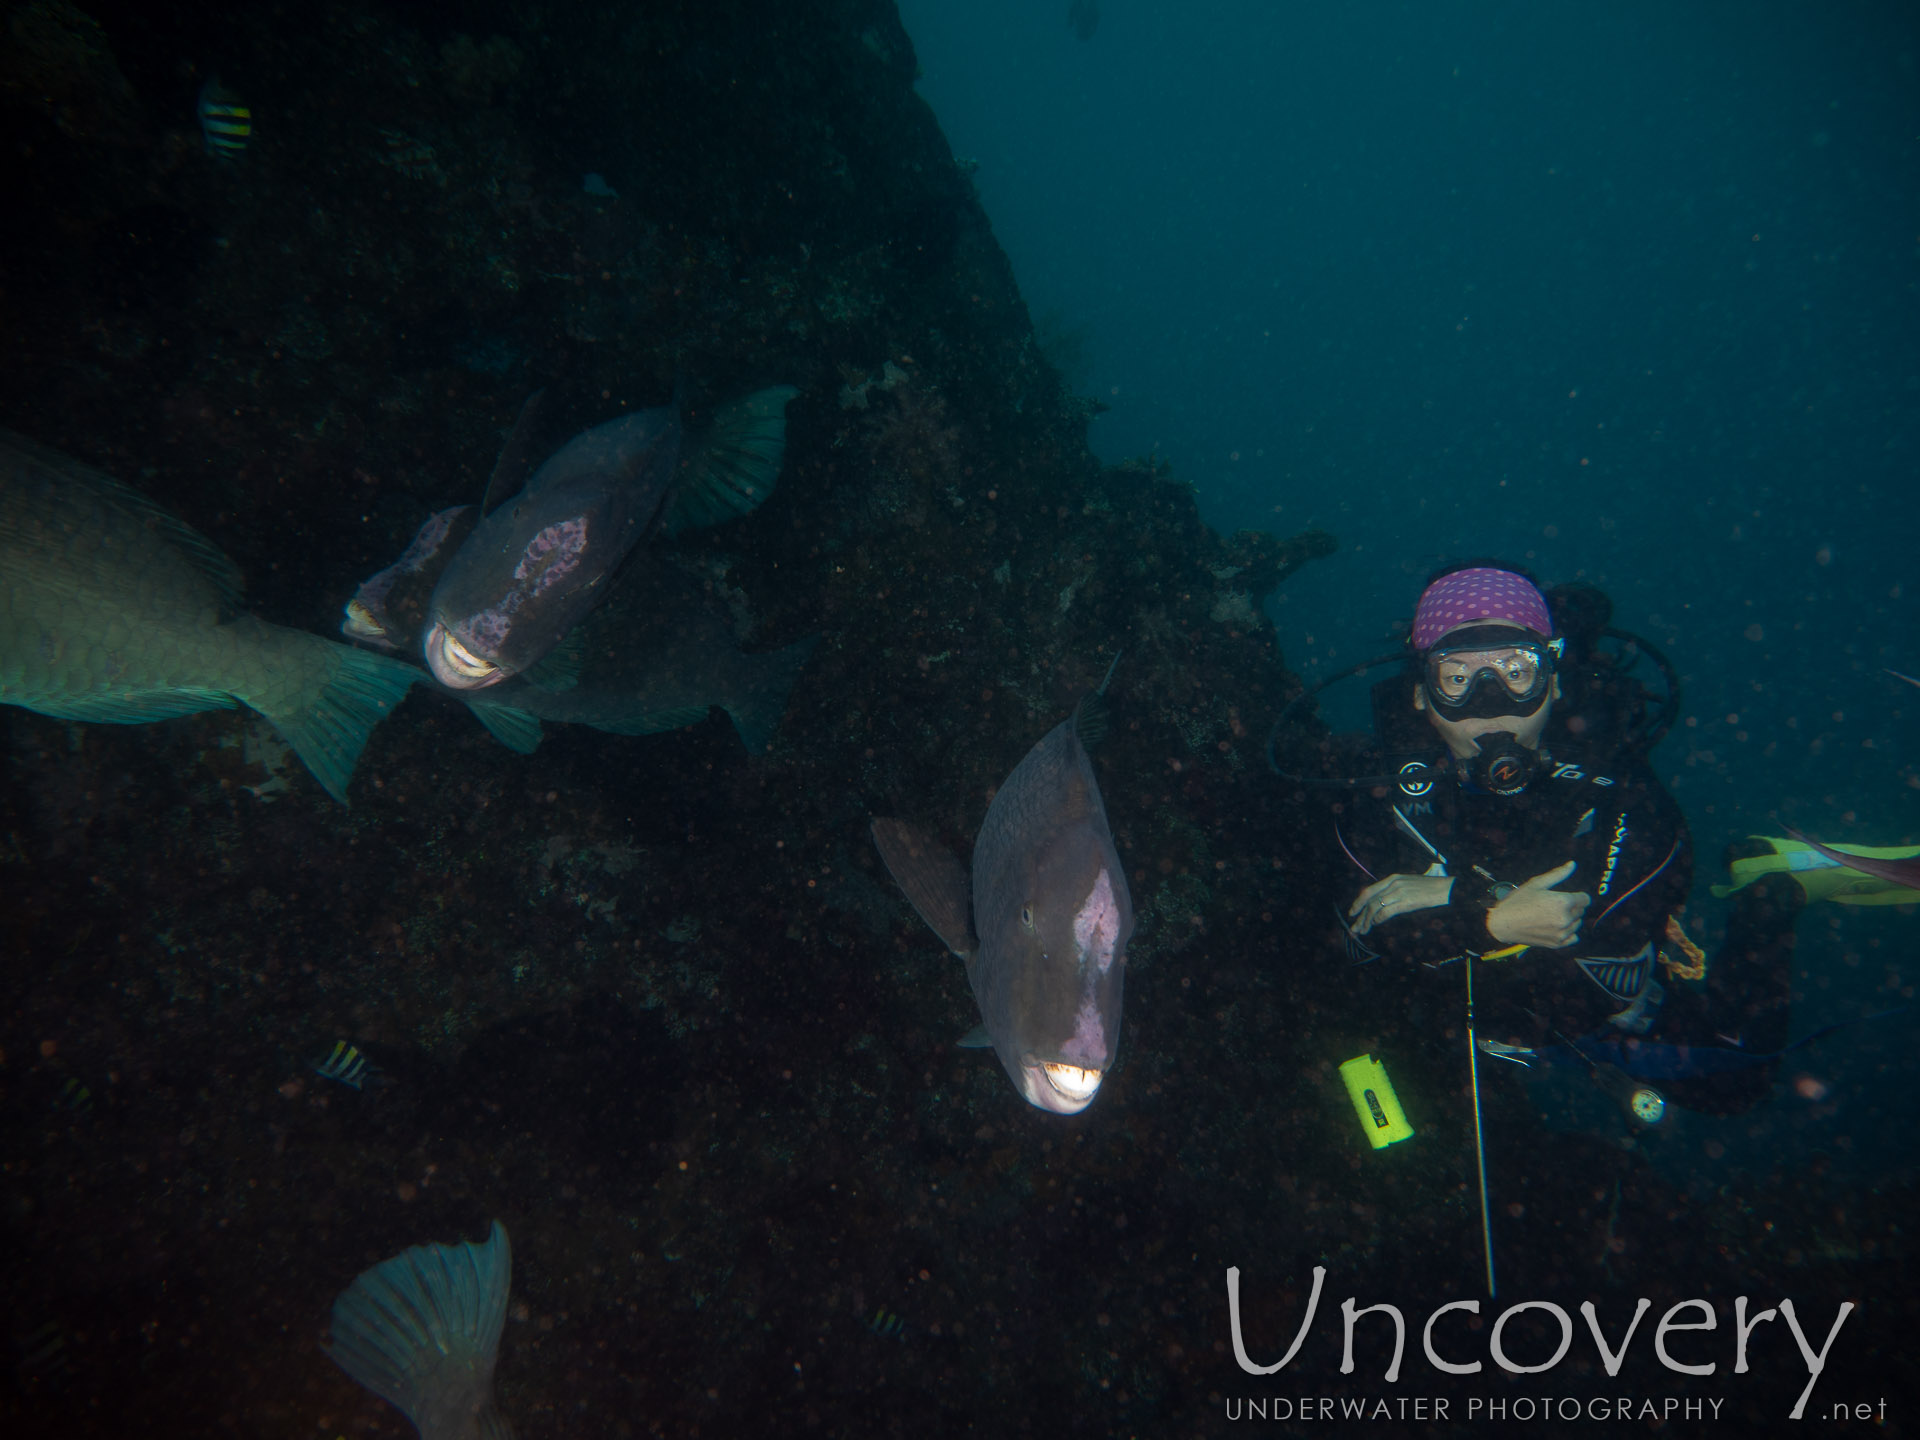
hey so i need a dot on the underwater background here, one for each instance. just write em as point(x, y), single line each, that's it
point(1623, 294)
point(1198, 332)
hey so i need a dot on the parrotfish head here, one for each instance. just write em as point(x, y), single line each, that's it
point(500, 608)
point(1085, 957)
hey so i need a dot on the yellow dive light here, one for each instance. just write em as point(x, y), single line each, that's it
point(1381, 1118)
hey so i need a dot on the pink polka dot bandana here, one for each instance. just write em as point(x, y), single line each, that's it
point(1468, 596)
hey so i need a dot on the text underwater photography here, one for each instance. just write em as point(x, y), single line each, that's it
point(1601, 1374)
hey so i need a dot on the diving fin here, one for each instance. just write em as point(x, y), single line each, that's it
point(731, 469)
point(422, 1331)
point(933, 880)
point(1823, 872)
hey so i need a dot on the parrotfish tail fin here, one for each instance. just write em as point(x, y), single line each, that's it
point(515, 461)
point(762, 700)
point(515, 729)
point(933, 880)
point(732, 468)
point(975, 1039)
point(1850, 875)
point(329, 705)
point(422, 1331)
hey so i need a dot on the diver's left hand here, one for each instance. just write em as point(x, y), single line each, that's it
point(1397, 895)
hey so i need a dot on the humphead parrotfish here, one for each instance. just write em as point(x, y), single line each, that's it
point(1044, 924)
point(114, 611)
point(657, 654)
point(535, 565)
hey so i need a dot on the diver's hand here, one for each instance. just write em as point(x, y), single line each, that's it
point(1396, 895)
point(1538, 914)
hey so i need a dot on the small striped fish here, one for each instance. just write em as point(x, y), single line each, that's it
point(225, 121)
point(887, 1325)
point(346, 1065)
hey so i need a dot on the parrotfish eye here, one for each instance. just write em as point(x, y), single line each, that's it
point(1026, 916)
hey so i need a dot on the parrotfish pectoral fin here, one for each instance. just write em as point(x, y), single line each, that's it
point(756, 711)
point(422, 1331)
point(933, 880)
point(515, 729)
point(328, 718)
point(559, 669)
point(975, 1039)
point(731, 469)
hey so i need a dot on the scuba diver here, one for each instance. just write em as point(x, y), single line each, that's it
point(1516, 822)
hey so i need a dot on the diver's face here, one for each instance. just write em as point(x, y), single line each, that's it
point(1462, 737)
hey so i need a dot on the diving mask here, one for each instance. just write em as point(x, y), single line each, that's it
point(1486, 671)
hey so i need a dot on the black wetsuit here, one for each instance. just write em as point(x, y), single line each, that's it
point(1633, 855)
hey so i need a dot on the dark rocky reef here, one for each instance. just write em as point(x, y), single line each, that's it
point(653, 1003)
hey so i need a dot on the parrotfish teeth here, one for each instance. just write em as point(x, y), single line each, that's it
point(1071, 1080)
point(360, 623)
point(454, 665)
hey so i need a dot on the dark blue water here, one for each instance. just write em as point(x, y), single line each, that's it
point(1623, 293)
